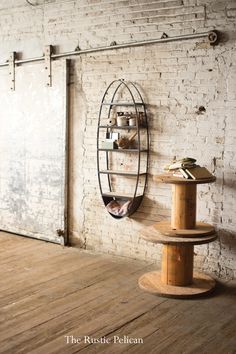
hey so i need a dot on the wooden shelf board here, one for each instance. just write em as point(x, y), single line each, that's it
point(122, 127)
point(123, 150)
point(123, 104)
point(201, 229)
point(118, 127)
point(202, 285)
point(120, 195)
point(162, 233)
point(122, 173)
point(169, 178)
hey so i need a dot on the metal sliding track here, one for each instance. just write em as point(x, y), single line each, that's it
point(212, 37)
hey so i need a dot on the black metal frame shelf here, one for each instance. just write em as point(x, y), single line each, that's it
point(120, 195)
point(124, 150)
point(122, 173)
point(123, 104)
point(126, 127)
point(140, 175)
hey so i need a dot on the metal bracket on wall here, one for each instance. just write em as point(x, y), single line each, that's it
point(12, 70)
point(48, 66)
point(62, 235)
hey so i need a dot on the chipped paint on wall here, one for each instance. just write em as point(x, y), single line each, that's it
point(33, 152)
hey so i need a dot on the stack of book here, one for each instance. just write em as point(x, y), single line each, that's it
point(187, 168)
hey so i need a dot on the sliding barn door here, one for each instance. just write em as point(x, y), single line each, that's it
point(33, 139)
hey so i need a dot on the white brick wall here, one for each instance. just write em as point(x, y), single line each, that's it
point(176, 78)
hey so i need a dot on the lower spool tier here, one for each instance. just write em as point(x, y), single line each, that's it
point(201, 285)
point(177, 265)
point(177, 279)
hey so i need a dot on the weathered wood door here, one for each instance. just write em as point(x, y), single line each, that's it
point(33, 139)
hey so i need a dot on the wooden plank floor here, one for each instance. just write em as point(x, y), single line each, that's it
point(52, 296)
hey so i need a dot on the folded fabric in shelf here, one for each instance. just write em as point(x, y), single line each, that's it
point(120, 208)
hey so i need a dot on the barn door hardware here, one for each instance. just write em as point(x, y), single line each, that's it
point(60, 232)
point(48, 66)
point(212, 36)
point(12, 70)
point(62, 235)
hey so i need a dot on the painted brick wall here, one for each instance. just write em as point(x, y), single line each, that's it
point(175, 79)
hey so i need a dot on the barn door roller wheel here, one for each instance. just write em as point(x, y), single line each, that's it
point(213, 37)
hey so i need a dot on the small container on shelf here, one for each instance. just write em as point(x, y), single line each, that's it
point(132, 120)
point(122, 121)
point(108, 144)
point(111, 122)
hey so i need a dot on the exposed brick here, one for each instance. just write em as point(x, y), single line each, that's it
point(175, 79)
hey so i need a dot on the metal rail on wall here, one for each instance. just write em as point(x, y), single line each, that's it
point(212, 36)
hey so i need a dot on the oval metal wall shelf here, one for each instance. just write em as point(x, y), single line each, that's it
point(137, 104)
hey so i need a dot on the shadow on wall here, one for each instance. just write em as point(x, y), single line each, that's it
point(227, 253)
point(150, 212)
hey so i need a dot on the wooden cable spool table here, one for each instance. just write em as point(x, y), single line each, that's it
point(178, 237)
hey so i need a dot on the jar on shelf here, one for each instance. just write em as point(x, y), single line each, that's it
point(122, 119)
point(132, 120)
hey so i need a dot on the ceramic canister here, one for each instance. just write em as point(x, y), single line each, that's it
point(132, 122)
point(121, 121)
